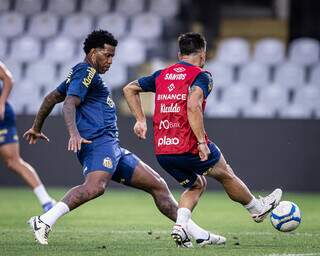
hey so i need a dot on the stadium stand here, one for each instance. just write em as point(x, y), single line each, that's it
point(252, 79)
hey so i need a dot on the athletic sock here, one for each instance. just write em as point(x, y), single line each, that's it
point(57, 211)
point(183, 217)
point(195, 231)
point(42, 194)
point(255, 206)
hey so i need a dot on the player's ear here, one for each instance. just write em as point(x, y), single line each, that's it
point(179, 55)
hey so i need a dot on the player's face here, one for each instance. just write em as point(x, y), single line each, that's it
point(103, 58)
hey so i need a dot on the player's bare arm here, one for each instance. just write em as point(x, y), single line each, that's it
point(195, 118)
point(34, 133)
point(131, 94)
point(69, 113)
point(6, 78)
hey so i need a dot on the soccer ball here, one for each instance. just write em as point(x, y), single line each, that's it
point(286, 216)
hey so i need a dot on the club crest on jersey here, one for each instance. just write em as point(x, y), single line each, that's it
point(107, 162)
point(87, 80)
point(171, 87)
point(110, 102)
point(179, 69)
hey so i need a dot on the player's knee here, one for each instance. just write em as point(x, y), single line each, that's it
point(225, 173)
point(11, 163)
point(95, 190)
point(160, 186)
point(199, 184)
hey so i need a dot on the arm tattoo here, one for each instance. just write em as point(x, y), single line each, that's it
point(69, 113)
point(46, 107)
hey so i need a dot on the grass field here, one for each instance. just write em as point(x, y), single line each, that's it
point(127, 223)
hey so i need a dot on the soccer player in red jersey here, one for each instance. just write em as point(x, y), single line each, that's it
point(181, 144)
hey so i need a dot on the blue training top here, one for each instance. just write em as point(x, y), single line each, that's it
point(203, 80)
point(96, 115)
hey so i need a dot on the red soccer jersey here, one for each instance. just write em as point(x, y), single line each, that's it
point(172, 131)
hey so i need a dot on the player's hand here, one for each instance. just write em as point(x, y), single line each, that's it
point(140, 129)
point(75, 142)
point(2, 110)
point(32, 136)
point(204, 151)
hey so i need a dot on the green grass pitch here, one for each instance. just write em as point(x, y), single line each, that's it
point(126, 222)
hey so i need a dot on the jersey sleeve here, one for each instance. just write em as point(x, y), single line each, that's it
point(148, 83)
point(205, 82)
point(80, 82)
point(62, 88)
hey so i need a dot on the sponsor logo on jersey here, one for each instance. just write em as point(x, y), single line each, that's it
point(178, 96)
point(110, 102)
point(171, 76)
point(179, 69)
point(165, 141)
point(184, 182)
point(166, 124)
point(107, 162)
point(87, 80)
point(173, 108)
point(68, 79)
point(171, 87)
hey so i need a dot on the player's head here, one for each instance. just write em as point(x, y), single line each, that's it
point(100, 46)
point(192, 45)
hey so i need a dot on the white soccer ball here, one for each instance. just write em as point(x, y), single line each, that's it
point(286, 216)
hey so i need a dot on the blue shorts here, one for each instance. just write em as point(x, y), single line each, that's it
point(8, 135)
point(185, 167)
point(8, 130)
point(105, 154)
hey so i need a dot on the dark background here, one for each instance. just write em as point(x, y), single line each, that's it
point(264, 153)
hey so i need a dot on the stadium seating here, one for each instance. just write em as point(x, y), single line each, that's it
point(96, 7)
point(146, 26)
point(25, 48)
point(274, 96)
point(304, 51)
point(28, 6)
point(258, 110)
point(160, 7)
point(315, 75)
point(234, 51)
point(43, 25)
point(11, 24)
point(129, 7)
point(254, 75)
point(222, 73)
point(290, 75)
point(62, 7)
point(59, 50)
point(269, 51)
point(45, 37)
point(77, 26)
point(116, 23)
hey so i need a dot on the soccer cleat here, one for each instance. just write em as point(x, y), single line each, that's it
point(211, 240)
point(269, 203)
point(180, 236)
point(40, 229)
point(47, 206)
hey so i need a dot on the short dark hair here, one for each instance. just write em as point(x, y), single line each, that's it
point(97, 39)
point(191, 42)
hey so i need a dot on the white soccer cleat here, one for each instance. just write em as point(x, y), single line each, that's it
point(269, 203)
point(211, 240)
point(180, 236)
point(40, 229)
